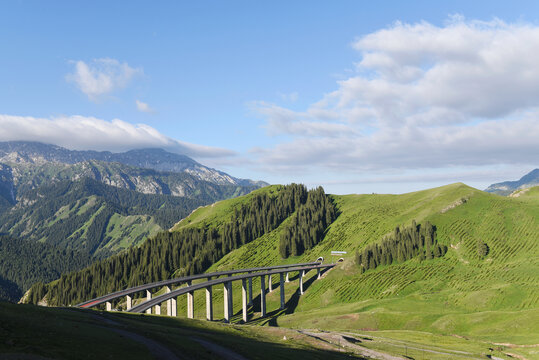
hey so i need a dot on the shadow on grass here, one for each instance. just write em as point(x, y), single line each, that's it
point(248, 341)
point(290, 305)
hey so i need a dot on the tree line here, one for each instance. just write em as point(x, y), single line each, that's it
point(308, 225)
point(187, 251)
point(403, 244)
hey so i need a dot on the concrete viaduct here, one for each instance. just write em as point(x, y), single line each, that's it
point(244, 275)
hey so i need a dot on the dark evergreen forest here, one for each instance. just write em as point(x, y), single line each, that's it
point(308, 225)
point(403, 244)
point(23, 262)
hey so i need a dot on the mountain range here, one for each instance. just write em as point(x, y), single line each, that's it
point(508, 187)
point(89, 205)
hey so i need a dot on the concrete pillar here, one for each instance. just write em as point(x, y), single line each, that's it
point(287, 280)
point(209, 304)
point(319, 273)
point(244, 299)
point(228, 300)
point(250, 292)
point(128, 302)
point(190, 310)
point(301, 274)
point(174, 307)
point(109, 306)
point(281, 285)
point(158, 309)
point(270, 286)
point(148, 297)
point(262, 296)
point(169, 302)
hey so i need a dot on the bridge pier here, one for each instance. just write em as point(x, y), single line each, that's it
point(209, 304)
point(148, 297)
point(228, 300)
point(174, 307)
point(190, 309)
point(287, 280)
point(109, 306)
point(262, 296)
point(169, 302)
point(270, 285)
point(281, 290)
point(301, 274)
point(244, 299)
point(319, 273)
point(250, 291)
point(128, 302)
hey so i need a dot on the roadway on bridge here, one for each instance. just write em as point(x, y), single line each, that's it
point(105, 298)
point(162, 298)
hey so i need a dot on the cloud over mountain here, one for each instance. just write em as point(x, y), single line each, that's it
point(89, 133)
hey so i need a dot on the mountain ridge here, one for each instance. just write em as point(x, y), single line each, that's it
point(507, 187)
point(17, 152)
point(95, 204)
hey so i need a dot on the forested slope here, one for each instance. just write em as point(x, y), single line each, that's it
point(24, 262)
point(66, 225)
point(196, 243)
point(476, 276)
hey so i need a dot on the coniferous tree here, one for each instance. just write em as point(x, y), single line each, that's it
point(403, 244)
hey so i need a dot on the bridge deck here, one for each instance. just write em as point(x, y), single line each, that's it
point(105, 298)
point(162, 298)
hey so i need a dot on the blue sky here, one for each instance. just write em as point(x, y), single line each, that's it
point(358, 97)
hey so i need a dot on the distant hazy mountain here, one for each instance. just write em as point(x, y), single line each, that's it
point(507, 187)
point(158, 159)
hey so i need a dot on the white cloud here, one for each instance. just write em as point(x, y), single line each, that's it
point(89, 133)
point(143, 107)
point(422, 96)
point(101, 76)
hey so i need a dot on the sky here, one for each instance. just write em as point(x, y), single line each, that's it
point(355, 96)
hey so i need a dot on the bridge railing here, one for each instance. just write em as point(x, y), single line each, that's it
point(227, 282)
point(180, 280)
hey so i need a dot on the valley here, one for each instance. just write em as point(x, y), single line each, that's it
point(90, 205)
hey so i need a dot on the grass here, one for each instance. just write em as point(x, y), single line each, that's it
point(462, 302)
point(128, 231)
point(63, 333)
point(486, 300)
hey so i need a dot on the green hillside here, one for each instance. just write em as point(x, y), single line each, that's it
point(484, 290)
point(462, 294)
point(89, 216)
point(199, 242)
point(64, 226)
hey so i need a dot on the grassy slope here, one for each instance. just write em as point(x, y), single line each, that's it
point(494, 299)
point(121, 232)
point(61, 333)
point(220, 211)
